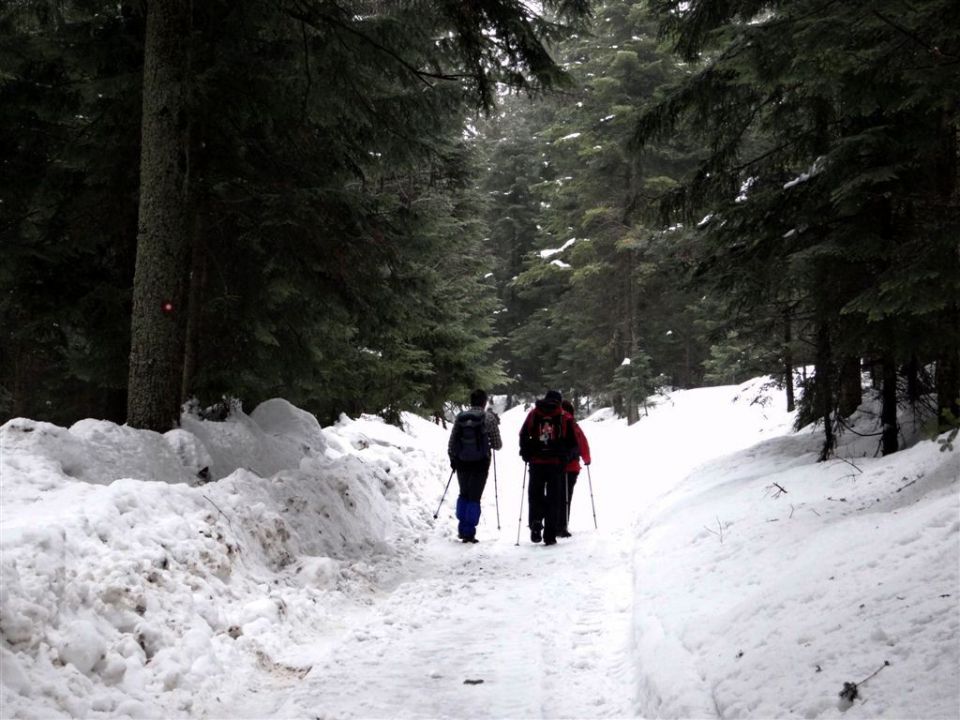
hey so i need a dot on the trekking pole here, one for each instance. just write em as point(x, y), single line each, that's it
point(496, 498)
point(444, 494)
point(522, 488)
point(566, 494)
point(590, 480)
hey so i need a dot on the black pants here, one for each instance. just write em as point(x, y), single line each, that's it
point(472, 478)
point(546, 498)
point(571, 480)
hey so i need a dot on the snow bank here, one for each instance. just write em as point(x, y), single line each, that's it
point(130, 584)
point(248, 567)
point(766, 580)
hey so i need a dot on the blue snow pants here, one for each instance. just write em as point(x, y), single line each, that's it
point(472, 477)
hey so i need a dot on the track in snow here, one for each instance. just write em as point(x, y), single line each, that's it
point(547, 630)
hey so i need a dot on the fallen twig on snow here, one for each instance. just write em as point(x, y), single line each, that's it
point(780, 490)
point(851, 691)
point(851, 464)
point(218, 508)
point(712, 532)
point(912, 482)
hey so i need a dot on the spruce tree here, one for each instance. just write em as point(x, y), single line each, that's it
point(826, 130)
point(69, 145)
point(599, 278)
point(490, 41)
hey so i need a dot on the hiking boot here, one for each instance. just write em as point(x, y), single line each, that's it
point(535, 536)
point(468, 539)
point(549, 541)
point(563, 533)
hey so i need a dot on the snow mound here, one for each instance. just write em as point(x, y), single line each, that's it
point(130, 585)
point(766, 580)
point(92, 451)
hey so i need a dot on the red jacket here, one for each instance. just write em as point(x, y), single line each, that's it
point(567, 447)
point(574, 465)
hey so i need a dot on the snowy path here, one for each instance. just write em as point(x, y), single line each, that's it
point(547, 629)
point(546, 637)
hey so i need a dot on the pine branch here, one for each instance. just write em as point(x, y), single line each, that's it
point(932, 49)
point(313, 19)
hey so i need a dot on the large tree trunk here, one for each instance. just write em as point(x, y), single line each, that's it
point(948, 361)
point(198, 281)
point(948, 386)
point(788, 359)
point(915, 385)
point(851, 392)
point(633, 414)
point(157, 327)
point(888, 407)
point(823, 379)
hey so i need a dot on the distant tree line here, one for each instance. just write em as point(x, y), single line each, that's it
point(591, 285)
point(827, 198)
point(739, 188)
point(242, 198)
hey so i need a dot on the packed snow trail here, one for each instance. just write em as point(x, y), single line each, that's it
point(538, 636)
point(496, 629)
point(546, 630)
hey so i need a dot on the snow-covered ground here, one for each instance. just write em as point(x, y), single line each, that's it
point(302, 574)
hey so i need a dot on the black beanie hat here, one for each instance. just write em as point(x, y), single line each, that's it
point(553, 395)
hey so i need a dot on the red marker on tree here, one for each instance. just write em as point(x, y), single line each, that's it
point(166, 307)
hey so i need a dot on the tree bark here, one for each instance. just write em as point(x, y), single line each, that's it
point(198, 281)
point(158, 321)
point(788, 360)
point(851, 392)
point(888, 407)
point(633, 414)
point(823, 379)
point(948, 386)
point(915, 389)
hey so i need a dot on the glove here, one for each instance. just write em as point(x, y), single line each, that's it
point(525, 456)
point(587, 464)
point(453, 464)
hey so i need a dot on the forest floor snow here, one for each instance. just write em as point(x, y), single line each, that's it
point(731, 575)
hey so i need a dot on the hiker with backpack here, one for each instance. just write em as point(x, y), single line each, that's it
point(548, 442)
point(475, 434)
point(572, 469)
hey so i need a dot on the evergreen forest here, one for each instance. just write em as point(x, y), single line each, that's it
point(376, 206)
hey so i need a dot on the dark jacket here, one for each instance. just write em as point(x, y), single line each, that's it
point(491, 426)
point(562, 450)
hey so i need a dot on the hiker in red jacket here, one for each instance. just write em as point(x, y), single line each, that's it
point(547, 443)
point(573, 467)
